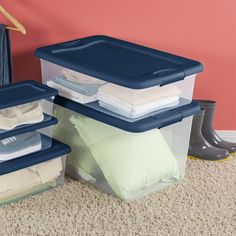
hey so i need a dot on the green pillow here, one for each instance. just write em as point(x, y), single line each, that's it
point(131, 162)
point(81, 158)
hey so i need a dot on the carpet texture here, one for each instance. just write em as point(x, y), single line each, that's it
point(203, 204)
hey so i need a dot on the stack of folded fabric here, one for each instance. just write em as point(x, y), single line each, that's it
point(135, 103)
point(29, 113)
point(75, 86)
point(22, 144)
point(30, 179)
point(131, 103)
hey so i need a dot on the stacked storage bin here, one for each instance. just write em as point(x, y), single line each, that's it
point(126, 111)
point(30, 160)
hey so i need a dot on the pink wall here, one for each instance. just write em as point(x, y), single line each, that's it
point(204, 30)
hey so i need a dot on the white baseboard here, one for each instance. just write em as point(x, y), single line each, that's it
point(227, 135)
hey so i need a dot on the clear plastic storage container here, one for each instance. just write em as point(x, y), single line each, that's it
point(126, 111)
point(127, 159)
point(32, 174)
point(118, 78)
point(25, 118)
point(25, 103)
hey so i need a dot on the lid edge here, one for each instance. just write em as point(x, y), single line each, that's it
point(143, 125)
point(44, 53)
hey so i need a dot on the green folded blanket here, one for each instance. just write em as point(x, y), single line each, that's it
point(130, 162)
point(81, 158)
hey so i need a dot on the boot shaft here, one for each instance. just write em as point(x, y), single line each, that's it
point(209, 107)
point(196, 131)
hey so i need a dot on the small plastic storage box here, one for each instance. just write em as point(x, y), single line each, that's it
point(127, 159)
point(33, 173)
point(25, 114)
point(119, 78)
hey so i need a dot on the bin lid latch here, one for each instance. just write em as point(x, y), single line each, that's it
point(169, 118)
point(169, 75)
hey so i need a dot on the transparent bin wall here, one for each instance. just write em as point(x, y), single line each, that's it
point(25, 143)
point(26, 182)
point(50, 71)
point(128, 165)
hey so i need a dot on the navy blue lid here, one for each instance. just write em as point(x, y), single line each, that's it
point(47, 121)
point(155, 121)
point(57, 149)
point(120, 62)
point(24, 92)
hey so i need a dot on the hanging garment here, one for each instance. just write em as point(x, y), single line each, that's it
point(6, 76)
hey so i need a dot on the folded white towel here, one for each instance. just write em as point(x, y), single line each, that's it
point(134, 112)
point(135, 97)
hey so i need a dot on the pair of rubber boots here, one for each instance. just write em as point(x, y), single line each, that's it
point(204, 142)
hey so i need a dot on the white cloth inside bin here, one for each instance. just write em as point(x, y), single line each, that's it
point(137, 111)
point(76, 86)
point(16, 182)
point(134, 103)
point(130, 162)
point(77, 77)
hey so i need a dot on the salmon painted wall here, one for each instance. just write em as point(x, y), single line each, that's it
point(204, 30)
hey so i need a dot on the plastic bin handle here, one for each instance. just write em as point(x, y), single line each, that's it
point(166, 76)
point(170, 118)
point(72, 43)
point(43, 87)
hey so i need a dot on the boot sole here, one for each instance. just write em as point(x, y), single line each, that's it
point(197, 159)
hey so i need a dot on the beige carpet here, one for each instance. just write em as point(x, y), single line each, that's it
point(204, 204)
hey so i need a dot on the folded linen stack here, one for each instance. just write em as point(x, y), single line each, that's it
point(77, 87)
point(29, 113)
point(28, 179)
point(22, 144)
point(134, 103)
point(131, 103)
